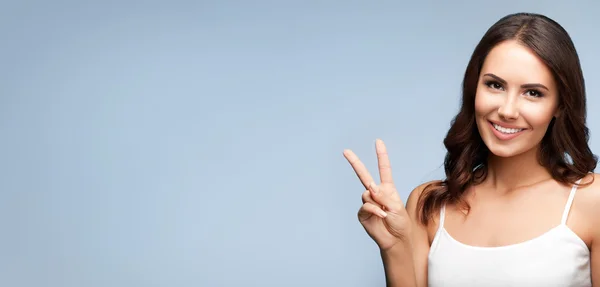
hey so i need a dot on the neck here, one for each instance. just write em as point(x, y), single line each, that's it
point(505, 174)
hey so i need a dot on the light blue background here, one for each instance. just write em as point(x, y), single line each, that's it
point(199, 143)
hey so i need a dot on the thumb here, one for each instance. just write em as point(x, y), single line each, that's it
point(384, 198)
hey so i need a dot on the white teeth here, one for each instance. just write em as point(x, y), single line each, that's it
point(506, 130)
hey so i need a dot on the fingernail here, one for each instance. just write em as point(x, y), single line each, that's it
point(383, 214)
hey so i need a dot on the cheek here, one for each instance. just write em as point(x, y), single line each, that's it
point(483, 103)
point(538, 116)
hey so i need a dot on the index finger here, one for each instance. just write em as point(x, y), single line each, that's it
point(383, 160)
point(359, 168)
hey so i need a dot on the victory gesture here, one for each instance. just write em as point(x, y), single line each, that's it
point(382, 214)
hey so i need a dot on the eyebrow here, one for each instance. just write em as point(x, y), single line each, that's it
point(525, 86)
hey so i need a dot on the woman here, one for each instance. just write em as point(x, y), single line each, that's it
point(519, 205)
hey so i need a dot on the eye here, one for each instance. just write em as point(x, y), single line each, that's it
point(534, 93)
point(494, 85)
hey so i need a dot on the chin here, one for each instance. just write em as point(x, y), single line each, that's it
point(506, 151)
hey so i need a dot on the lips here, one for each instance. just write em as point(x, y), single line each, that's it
point(506, 130)
point(504, 133)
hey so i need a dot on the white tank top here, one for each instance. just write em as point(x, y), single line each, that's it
point(556, 258)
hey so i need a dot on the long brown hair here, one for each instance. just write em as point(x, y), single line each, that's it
point(564, 148)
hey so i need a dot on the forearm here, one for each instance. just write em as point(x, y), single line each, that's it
point(399, 266)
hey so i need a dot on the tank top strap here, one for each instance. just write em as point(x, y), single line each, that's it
point(442, 216)
point(565, 215)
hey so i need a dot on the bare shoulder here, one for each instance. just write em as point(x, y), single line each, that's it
point(415, 194)
point(589, 190)
point(413, 211)
point(587, 200)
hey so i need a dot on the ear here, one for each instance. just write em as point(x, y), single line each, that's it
point(558, 113)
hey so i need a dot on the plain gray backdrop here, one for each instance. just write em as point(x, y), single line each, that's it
point(199, 143)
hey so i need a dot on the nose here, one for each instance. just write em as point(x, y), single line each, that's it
point(509, 110)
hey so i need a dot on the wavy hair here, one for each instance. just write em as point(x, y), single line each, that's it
point(564, 149)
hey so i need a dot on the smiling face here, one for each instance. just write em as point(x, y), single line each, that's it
point(515, 101)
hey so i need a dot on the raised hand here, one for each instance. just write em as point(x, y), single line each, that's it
point(382, 214)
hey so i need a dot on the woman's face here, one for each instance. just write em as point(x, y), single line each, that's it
point(515, 101)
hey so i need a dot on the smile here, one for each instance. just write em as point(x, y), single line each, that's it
point(504, 133)
point(505, 130)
